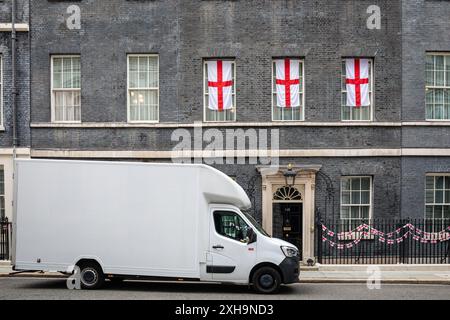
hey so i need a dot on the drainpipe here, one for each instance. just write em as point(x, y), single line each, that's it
point(13, 76)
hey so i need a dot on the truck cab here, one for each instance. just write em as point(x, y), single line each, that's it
point(240, 251)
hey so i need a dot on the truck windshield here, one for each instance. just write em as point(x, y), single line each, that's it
point(256, 224)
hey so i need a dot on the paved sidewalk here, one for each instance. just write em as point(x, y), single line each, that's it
point(405, 277)
point(406, 274)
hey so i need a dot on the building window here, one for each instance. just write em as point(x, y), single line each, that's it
point(437, 196)
point(2, 193)
point(66, 89)
point(356, 198)
point(143, 88)
point(438, 86)
point(363, 113)
point(215, 115)
point(288, 114)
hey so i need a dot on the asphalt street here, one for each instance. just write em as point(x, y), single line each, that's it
point(54, 289)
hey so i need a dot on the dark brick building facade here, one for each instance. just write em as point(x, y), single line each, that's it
point(397, 148)
point(22, 88)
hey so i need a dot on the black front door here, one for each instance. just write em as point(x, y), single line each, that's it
point(288, 218)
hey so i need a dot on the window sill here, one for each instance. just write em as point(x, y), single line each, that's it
point(211, 124)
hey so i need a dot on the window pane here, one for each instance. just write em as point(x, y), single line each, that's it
point(447, 68)
point(365, 213)
point(356, 184)
point(76, 64)
point(143, 79)
point(57, 65)
point(153, 69)
point(429, 212)
point(76, 82)
point(354, 213)
point(346, 184)
point(345, 212)
point(440, 71)
point(134, 64)
point(439, 182)
point(346, 197)
point(430, 182)
point(447, 182)
point(57, 80)
point(447, 103)
point(446, 212)
point(229, 224)
point(365, 184)
point(438, 212)
point(356, 199)
point(67, 73)
point(439, 196)
point(430, 70)
point(439, 103)
point(134, 79)
point(365, 197)
point(430, 196)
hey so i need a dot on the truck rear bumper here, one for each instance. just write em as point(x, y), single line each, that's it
point(290, 268)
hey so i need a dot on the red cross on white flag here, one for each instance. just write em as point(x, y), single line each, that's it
point(357, 82)
point(220, 85)
point(288, 83)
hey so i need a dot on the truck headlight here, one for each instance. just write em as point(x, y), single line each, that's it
point(289, 251)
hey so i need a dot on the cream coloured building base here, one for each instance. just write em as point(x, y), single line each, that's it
point(272, 179)
point(6, 161)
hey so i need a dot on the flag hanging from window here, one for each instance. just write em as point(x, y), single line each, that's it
point(220, 85)
point(288, 82)
point(357, 80)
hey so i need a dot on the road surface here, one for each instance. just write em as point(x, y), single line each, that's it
point(53, 289)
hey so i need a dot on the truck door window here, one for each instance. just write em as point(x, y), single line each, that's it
point(231, 225)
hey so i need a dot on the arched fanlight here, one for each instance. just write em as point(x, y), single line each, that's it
point(287, 194)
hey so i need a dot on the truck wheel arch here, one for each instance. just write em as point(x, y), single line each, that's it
point(265, 264)
point(84, 261)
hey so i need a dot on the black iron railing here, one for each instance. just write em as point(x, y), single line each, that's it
point(5, 239)
point(383, 241)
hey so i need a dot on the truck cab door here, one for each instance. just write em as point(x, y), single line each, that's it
point(232, 256)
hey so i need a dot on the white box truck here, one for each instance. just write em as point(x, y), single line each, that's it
point(120, 220)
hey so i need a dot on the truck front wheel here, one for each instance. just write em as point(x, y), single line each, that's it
point(91, 276)
point(266, 280)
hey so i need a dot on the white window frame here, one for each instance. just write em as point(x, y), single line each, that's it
point(434, 204)
point(206, 92)
point(274, 92)
point(427, 87)
point(52, 90)
point(356, 205)
point(149, 88)
point(371, 90)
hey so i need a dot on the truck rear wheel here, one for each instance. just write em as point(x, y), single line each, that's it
point(91, 276)
point(266, 280)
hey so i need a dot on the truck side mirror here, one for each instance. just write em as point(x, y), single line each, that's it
point(251, 236)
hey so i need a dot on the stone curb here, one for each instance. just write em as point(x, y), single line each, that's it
point(302, 281)
point(385, 281)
